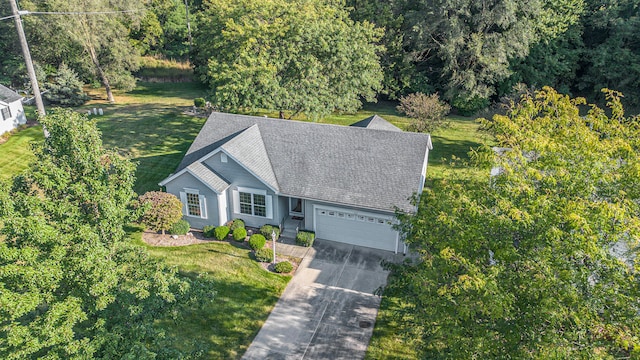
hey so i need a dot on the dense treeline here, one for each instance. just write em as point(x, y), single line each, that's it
point(470, 52)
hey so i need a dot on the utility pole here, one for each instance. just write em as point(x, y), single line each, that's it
point(27, 58)
point(186, 6)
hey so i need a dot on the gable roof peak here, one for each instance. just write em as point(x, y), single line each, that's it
point(376, 122)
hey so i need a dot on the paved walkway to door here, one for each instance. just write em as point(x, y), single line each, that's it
point(328, 310)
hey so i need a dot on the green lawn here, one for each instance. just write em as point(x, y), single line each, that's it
point(244, 296)
point(16, 153)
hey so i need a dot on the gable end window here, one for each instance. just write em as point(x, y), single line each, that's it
point(193, 203)
point(252, 202)
point(6, 113)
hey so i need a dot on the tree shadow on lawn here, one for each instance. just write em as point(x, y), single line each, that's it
point(148, 128)
point(445, 148)
point(224, 327)
point(153, 169)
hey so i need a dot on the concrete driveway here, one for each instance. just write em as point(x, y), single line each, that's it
point(328, 309)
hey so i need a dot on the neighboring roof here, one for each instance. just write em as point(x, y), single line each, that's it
point(207, 176)
point(376, 169)
point(7, 95)
point(376, 122)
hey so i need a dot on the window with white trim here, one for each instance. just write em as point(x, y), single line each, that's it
point(252, 202)
point(193, 203)
point(6, 113)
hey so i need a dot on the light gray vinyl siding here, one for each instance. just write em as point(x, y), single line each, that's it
point(237, 176)
point(283, 209)
point(187, 181)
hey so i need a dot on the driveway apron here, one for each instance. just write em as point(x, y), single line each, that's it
point(328, 310)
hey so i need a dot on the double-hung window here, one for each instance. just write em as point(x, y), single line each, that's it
point(193, 203)
point(252, 202)
point(6, 113)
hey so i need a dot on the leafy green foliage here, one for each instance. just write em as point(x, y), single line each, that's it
point(221, 232)
point(264, 255)
point(427, 111)
point(209, 231)
point(267, 230)
point(239, 234)
point(180, 227)
point(257, 241)
point(106, 48)
point(468, 106)
point(528, 263)
point(283, 267)
point(199, 102)
point(305, 238)
point(70, 285)
point(65, 89)
point(160, 210)
point(295, 56)
point(236, 223)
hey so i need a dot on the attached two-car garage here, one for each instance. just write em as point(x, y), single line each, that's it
point(356, 228)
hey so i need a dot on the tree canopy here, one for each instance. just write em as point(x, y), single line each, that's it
point(537, 261)
point(71, 286)
point(298, 56)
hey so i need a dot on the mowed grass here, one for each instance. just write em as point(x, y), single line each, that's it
point(148, 124)
point(16, 153)
point(244, 296)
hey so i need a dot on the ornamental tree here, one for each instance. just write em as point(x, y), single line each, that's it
point(427, 111)
point(160, 210)
point(539, 261)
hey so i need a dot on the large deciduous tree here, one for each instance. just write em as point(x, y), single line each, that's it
point(538, 261)
point(300, 56)
point(71, 287)
point(101, 29)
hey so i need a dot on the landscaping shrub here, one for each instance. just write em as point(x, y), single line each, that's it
point(264, 255)
point(468, 106)
point(305, 238)
point(181, 227)
point(199, 102)
point(427, 112)
point(257, 241)
point(221, 232)
point(209, 231)
point(236, 224)
point(239, 234)
point(267, 229)
point(283, 267)
point(159, 210)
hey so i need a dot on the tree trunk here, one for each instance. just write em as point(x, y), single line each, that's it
point(103, 76)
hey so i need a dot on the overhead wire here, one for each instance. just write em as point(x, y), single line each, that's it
point(26, 12)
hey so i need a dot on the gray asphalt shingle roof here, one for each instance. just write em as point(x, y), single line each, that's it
point(248, 149)
point(7, 95)
point(376, 122)
point(364, 167)
point(209, 177)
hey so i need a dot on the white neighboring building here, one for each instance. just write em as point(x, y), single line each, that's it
point(11, 111)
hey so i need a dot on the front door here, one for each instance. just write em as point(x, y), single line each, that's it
point(296, 206)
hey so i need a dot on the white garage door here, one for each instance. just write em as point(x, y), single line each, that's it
point(355, 227)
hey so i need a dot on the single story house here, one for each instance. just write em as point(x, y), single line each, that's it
point(11, 111)
point(343, 182)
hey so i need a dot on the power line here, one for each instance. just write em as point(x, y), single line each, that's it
point(27, 12)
